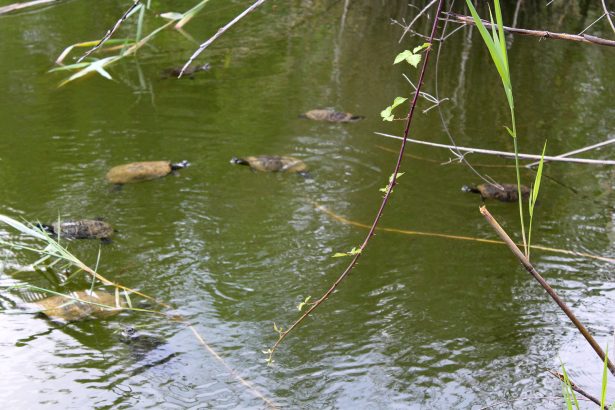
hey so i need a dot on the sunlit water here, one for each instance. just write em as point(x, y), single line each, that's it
point(423, 322)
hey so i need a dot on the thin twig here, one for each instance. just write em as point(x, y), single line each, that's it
point(385, 200)
point(607, 13)
point(460, 157)
point(577, 151)
point(528, 266)
point(503, 153)
point(576, 388)
point(592, 23)
point(110, 32)
point(19, 6)
point(583, 38)
point(243, 381)
point(409, 26)
point(442, 235)
point(221, 31)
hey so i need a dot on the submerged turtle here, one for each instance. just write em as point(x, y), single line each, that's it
point(273, 163)
point(508, 193)
point(81, 229)
point(188, 72)
point(70, 309)
point(139, 342)
point(142, 171)
point(331, 116)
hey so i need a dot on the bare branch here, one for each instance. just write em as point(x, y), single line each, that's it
point(576, 388)
point(607, 13)
point(409, 26)
point(578, 151)
point(110, 32)
point(221, 31)
point(583, 38)
point(385, 200)
point(19, 6)
point(530, 268)
point(504, 153)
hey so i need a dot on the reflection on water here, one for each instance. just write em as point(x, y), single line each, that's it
point(422, 322)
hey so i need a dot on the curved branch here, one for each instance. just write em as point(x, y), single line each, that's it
point(385, 200)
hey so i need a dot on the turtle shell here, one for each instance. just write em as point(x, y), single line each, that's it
point(274, 163)
point(138, 171)
point(507, 194)
point(67, 309)
point(331, 116)
point(83, 229)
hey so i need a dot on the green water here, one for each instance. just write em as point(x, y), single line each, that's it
point(423, 322)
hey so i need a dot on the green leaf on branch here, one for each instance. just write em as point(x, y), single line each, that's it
point(352, 252)
point(409, 57)
point(421, 47)
point(387, 113)
point(300, 305)
point(509, 131)
point(384, 189)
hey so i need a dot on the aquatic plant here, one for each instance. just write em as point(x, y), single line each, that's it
point(52, 252)
point(127, 46)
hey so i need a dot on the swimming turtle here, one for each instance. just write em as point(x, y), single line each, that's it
point(80, 229)
point(188, 73)
point(70, 309)
point(139, 342)
point(508, 193)
point(273, 163)
point(142, 171)
point(331, 116)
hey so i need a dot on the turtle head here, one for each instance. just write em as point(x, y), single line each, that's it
point(467, 188)
point(356, 118)
point(46, 228)
point(239, 161)
point(180, 165)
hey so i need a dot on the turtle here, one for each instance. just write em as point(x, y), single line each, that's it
point(80, 229)
point(273, 163)
point(139, 342)
point(508, 193)
point(69, 309)
point(142, 171)
point(188, 72)
point(331, 116)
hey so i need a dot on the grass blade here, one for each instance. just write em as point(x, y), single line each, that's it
point(534, 197)
point(604, 378)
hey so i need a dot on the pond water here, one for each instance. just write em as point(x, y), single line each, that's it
point(423, 321)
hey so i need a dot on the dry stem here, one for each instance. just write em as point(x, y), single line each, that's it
point(19, 6)
point(528, 266)
point(221, 31)
point(503, 153)
point(576, 388)
point(582, 38)
point(110, 32)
